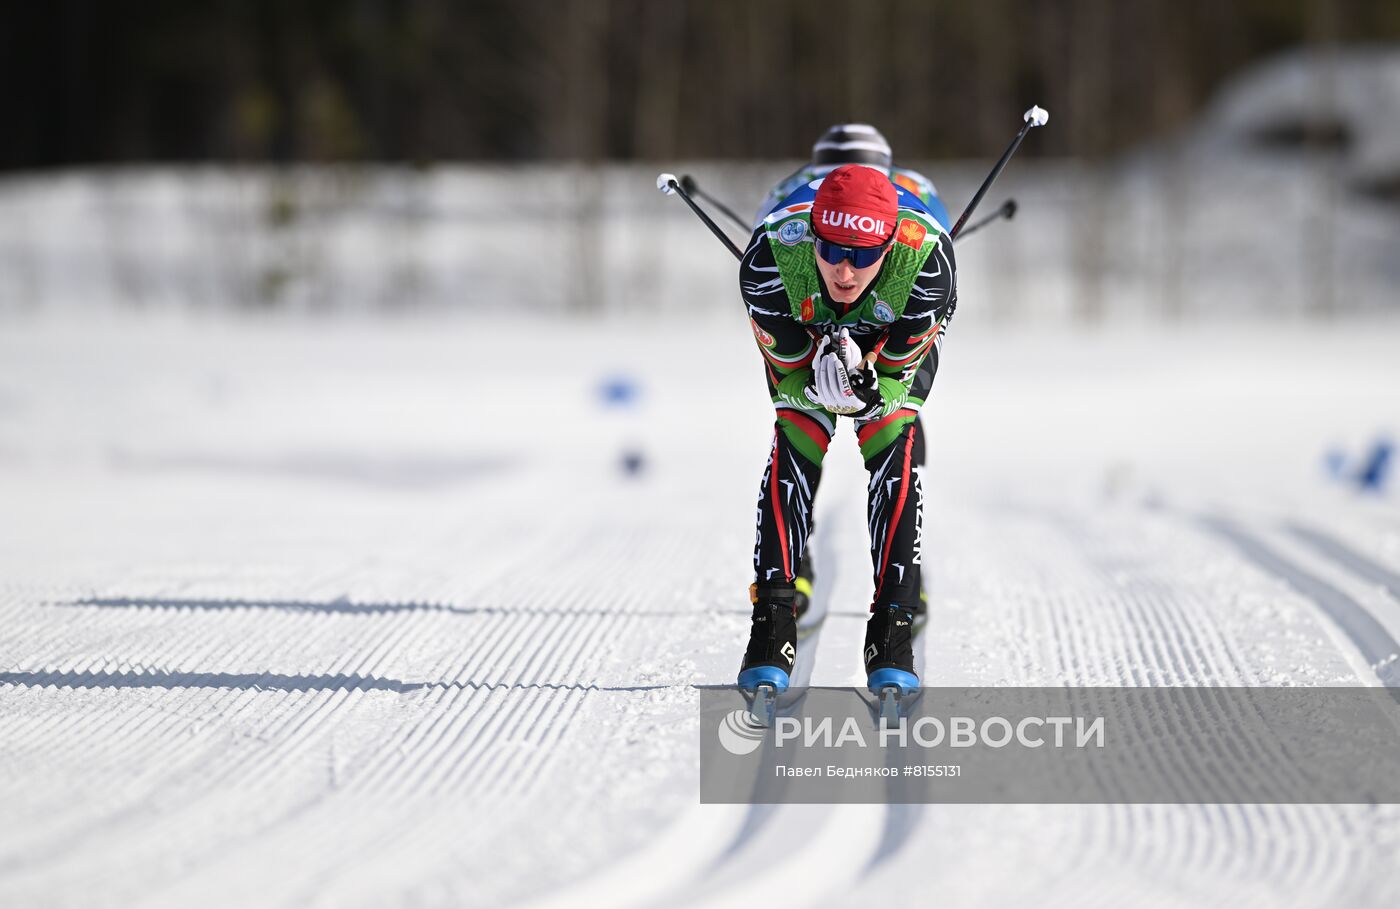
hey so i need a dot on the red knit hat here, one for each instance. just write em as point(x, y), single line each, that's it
point(855, 206)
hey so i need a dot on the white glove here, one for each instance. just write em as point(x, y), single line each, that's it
point(837, 382)
point(831, 382)
point(849, 351)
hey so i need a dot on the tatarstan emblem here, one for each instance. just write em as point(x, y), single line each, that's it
point(911, 233)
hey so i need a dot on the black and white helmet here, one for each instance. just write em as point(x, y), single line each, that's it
point(852, 143)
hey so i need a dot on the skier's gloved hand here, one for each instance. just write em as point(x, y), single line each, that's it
point(863, 381)
point(866, 386)
point(831, 386)
point(849, 351)
point(818, 392)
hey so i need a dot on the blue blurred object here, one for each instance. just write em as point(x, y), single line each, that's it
point(1367, 473)
point(1335, 460)
point(619, 391)
point(1372, 475)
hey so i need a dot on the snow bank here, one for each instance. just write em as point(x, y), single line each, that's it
point(1229, 221)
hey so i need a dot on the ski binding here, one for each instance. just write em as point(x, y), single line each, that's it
point(889, 706)
point(892, 687)
point(762, 704)
point(761, 686)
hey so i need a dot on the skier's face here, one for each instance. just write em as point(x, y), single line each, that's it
point(845, 282)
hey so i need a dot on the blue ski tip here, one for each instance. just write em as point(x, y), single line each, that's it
point(881, 679)
point(750, 679)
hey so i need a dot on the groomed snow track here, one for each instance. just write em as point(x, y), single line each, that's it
point(283, 623)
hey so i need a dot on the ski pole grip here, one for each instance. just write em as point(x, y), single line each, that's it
point(1037, 116)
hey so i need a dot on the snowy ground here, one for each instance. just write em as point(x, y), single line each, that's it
point(337, 614)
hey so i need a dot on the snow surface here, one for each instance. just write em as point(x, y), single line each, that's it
point(285, 620)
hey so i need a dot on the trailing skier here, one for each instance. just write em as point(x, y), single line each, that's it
point(855, 143)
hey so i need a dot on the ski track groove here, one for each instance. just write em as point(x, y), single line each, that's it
point(1179, 625)
point(141, 731)
point(1076, 638)
point(1363, 566)
point(478, 731)
point(416, 730)
point(1165, 635)
point(1357, 623)
point(759, 821)
point(60, 721)
point(444, 768)
point(559, 707)
point(1345, 574)
point(559, 720)
point(502, 640)
point(135, 810)
point(1169, 632)
point(302, 713)
point(474, 756)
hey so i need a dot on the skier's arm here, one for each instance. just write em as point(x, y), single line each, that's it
point(919, 332)
point(786, 345)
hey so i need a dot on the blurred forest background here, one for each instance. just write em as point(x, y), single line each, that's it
point(1203, 156)
point(424, 81)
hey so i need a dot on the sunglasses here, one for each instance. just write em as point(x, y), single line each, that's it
point(860, 256)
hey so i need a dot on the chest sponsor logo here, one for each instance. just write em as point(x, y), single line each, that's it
point(911, 233)
point(883, 312)
point(792, 233)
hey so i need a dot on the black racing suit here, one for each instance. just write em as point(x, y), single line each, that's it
point(891, 443)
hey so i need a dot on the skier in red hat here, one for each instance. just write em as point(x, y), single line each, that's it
point(849, 285)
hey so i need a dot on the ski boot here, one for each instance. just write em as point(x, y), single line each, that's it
point(889, 658)
point(772, 653)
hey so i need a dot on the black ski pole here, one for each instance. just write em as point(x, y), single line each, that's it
point(689, 185)
point(1007, 211)
point(668, 184)
point(1036, 116)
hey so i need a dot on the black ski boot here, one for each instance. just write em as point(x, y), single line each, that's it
point(772, 651)
point(889, 649)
